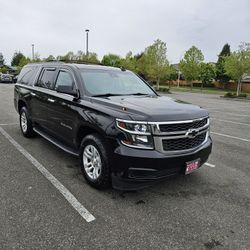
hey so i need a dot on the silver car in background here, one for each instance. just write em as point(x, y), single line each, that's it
point(5, 78)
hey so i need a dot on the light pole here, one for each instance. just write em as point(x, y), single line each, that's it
point(179, 75)
point(87, 42)
point(33, 51)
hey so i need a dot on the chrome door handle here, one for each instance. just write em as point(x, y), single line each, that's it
point(51, 100)
point(32, 93)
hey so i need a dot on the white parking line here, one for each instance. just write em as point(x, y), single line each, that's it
point(8, 124)
point(209, 165)
point(229, 136)
point(57, 184)
point(228, 113)
point(232, 110)
point(239, 123)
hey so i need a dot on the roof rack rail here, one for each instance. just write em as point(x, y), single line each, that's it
point(55, 61)
point(68, 61)
point(80, 62)
point(42, 62)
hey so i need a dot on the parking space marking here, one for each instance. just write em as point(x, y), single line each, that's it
point(57, 184)
point(230, 113)
point(232, 110)
point(229, 136)
point(8, 124)
point(209, 165)
point(239, 123)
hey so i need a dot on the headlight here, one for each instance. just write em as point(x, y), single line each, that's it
point(208, 126)
point(137, 134)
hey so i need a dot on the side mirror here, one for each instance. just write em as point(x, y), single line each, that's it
point(14, 79)
point(66, 90)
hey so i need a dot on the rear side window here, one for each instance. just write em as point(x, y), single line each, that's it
point(27, 75)
point(64, 79)
point(47, 78)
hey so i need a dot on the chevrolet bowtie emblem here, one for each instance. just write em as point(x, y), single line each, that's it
point(191, 133)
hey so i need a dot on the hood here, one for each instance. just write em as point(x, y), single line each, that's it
point(155, 109)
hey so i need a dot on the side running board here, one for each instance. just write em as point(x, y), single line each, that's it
point(56, 142)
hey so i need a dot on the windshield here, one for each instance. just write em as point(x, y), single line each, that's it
point(101, 82)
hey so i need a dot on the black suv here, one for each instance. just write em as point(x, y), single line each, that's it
point(123, 131)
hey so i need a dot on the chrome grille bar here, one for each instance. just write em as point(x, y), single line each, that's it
point(175, 137)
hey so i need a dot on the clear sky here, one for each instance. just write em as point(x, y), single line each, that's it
point(116, 26)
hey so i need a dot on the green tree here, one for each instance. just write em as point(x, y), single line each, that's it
point(156, 62)
point(79, 57)
point(129, 62)
point(70, 56)
point(207, 73)
point(82, 57)
point(49, 58)
point(1, 60)
point(37, 58)
point(237, 65)
point(17, 57)
point(3, 69)
point(24, 60)
point(171, 73)
point(140, 65)
point(220, 69)
point(92, 58)
point(112, 60)
point(190, 65)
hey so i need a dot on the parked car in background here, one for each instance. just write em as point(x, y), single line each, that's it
point(5, 78)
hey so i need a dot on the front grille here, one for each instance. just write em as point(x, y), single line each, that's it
point(183, 126)
point(183, 143)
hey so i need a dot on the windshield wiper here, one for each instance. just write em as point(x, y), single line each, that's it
point(113, 94)
point(107, 95)
point(139, 94)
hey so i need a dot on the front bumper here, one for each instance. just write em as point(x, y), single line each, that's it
point(135, 169)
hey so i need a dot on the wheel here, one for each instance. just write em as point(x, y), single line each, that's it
point(94, 161)
point(25, 123)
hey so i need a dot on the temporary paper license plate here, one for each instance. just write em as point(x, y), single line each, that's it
point(191, 166)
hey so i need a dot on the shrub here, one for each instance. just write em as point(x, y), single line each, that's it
point(167, 90)
point(243, 95)
point(233, 95)
point(205, 85)
point(230, 95)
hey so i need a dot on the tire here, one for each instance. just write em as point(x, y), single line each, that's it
point(26, 123)
point(94, 161)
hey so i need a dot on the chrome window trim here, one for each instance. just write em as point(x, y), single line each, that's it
point(51, 92)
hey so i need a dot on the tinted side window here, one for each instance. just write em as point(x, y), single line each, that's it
point(46, 80)
point(27, 75)
point(64, 79)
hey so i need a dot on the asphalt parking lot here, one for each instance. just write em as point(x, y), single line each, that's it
point(209, 209)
